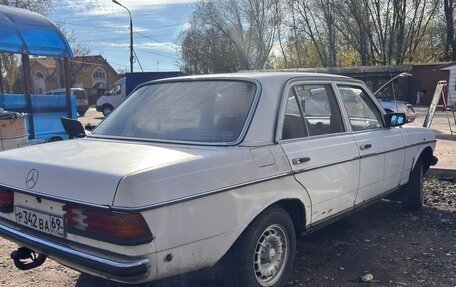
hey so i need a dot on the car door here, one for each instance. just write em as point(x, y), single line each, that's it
point(380, 148)
point(323, 155)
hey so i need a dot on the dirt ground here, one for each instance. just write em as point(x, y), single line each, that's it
point(397, 248)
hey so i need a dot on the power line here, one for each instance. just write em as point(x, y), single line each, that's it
point(137, 59)
point(110, 28)
point(157, 54)
point(119, 65)
point(87, 63)
point(112, 39)
point(95, 64)
point(150, 38)
point(88, 25)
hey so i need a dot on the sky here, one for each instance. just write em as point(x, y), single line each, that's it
point(104, 27)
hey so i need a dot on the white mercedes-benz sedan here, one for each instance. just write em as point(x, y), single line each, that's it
point(191, 171)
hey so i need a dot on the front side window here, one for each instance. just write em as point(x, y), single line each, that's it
point(361, 110)
point(312, 110)
point(188, 111)
point(115, 90)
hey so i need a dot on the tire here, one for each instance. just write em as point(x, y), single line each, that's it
point(54, 139)
point(413, 197)
point(107, 110)
point(263, 255)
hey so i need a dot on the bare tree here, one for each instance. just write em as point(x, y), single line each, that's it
point(386, 31)
point(304, 33)
point(44, 7)
point(316, 20)
point(251, 25)
point(449, 7)
point(208, 51)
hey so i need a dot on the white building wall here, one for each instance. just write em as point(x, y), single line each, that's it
point(451, 85)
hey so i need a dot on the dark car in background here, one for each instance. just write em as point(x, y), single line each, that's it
point(81, 98)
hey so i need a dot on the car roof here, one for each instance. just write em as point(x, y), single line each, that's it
point(265, 75)
point(262, 127)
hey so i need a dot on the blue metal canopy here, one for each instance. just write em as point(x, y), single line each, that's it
point(29, 33)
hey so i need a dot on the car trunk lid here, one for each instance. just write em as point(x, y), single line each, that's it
point(84, 170)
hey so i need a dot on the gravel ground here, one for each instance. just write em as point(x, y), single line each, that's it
point(381, 243)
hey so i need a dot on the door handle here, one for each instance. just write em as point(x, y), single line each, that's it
point(365, 146)
point(300, 160)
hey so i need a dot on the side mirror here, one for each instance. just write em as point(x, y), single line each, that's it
point(394, 119)
point(73, 128)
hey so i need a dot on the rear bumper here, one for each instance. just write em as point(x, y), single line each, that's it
point(124, 269)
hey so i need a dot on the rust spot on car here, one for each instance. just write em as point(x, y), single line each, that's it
point(168, 258)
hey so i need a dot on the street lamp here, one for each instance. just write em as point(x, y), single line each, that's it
point(131, 35)
point(401, 75)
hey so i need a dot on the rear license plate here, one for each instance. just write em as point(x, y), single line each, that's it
point(43, 222)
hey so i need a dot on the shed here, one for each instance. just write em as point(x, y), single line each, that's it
point(451, 88)
point(375, 77)
point(28, 33)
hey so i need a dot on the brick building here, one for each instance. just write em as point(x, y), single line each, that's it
point(92, 73)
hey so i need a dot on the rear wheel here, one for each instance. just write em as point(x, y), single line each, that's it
point(413, 198)
point(264, 254)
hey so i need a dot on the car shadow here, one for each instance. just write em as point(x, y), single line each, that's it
point(397, 247)
point(445, 135)
point(203, 278)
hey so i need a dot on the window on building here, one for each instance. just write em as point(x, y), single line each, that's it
point(99, 74)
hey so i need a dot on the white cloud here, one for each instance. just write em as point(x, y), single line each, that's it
point(113, 45)
point(187, 26)
point(165, 46)
point(108, 8)
point(152, 46)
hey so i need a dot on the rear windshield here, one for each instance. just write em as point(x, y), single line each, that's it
point(189, 111)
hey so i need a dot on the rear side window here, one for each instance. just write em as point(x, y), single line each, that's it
point(189, 111)
point(312, 110)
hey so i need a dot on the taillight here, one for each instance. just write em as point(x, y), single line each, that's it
point(117, 228)
point(6, 201)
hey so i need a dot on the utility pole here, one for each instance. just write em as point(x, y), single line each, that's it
point(131, 35)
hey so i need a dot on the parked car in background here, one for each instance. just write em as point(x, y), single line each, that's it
point(192, 171)
point(81, 98)
point(399, 107)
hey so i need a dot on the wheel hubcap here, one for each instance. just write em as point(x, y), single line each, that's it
point(271, 255)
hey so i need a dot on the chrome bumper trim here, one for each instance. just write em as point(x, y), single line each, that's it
point(122, 269)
